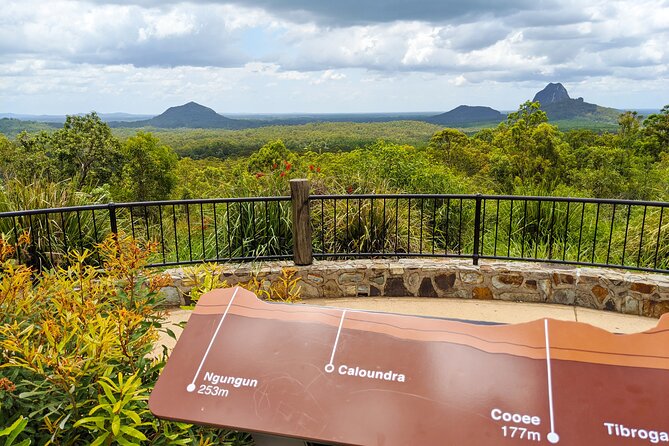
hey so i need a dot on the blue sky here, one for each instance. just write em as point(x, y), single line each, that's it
point(273, 56)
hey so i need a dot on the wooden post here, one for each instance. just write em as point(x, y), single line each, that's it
point(299, 195)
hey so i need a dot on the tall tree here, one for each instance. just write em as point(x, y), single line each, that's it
point(86, 151)
point(656, 129)
point(27, 158)
point(268, 157)
point(445, 140)
point(148, 169)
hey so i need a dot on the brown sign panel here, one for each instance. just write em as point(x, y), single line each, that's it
point(360, 378)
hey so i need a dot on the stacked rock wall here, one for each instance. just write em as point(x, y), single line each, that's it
point(605, 289)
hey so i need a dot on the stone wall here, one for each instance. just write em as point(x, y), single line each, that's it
point(604, 289)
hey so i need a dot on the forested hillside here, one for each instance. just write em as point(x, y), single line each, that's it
point(322, 136)
point(11, 127)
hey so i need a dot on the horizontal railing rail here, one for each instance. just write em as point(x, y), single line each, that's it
point(624, 234)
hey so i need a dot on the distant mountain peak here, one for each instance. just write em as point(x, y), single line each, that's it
point(557, 104)
point(191, 115)
point(190, 107)
point(551, 94)
point(193, 104)
point(467, 114)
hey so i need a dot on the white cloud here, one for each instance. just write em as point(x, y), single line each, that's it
point(328, 75)
point(458, 81)
point(174, 23)
point(420, 47)
point(169, 49)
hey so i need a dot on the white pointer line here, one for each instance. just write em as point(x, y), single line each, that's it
point(552, 437)
point(191, 386)
point(334, 348)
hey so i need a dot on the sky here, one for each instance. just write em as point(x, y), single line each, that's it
point(320, 56)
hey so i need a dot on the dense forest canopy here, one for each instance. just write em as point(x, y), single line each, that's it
point(85, 162)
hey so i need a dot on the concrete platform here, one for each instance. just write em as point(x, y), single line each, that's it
point(475, 310)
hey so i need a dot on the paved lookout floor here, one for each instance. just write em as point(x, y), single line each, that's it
point(476, 310)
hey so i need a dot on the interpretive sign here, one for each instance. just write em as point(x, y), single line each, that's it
point(361, 378)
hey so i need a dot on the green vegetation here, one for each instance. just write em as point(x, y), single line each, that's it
point(577, 109)
point(76, 360)
point(12, 127)
point(77, 357)
point(207, 276)
point(322, 136)
point(526, 155)
point(148, 171)
point(579, 124)
point(88, 159)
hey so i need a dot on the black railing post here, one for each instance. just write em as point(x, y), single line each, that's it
point(112, 218)
point(477, 229)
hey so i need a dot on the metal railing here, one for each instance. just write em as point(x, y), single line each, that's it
point(591, 232)
point(578, 231)
point(186, 231)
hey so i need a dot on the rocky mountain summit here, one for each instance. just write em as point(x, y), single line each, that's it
point(551, 94)
point(558, 105)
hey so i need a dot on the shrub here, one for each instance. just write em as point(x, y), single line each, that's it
point(206, 277)
point(75, 344)
point(285, 289)
point(203, 278)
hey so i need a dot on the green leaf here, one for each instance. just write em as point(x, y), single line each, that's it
point(116, 425)
point(30, 394)
point(170, 333)
point(98, 407)
point(98, 441)
point(183, 441)
point(90, 420)
point(132, 415)
point(14, 430)
point(124, 442)
point(133, 432)
point(108, 391)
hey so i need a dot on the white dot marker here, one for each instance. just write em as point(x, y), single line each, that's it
point(552, 437)
point(190, 387)
point(329, 368)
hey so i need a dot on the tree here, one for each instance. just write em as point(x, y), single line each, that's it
point(529, 114)
point(86, 151)
point(629, 134)
point(148, 169)
point(270, 156)
point(6, 154)
point(520, 127)
point(445, 140)
point(656, 130)
point(27, 158)
point(629, 124)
